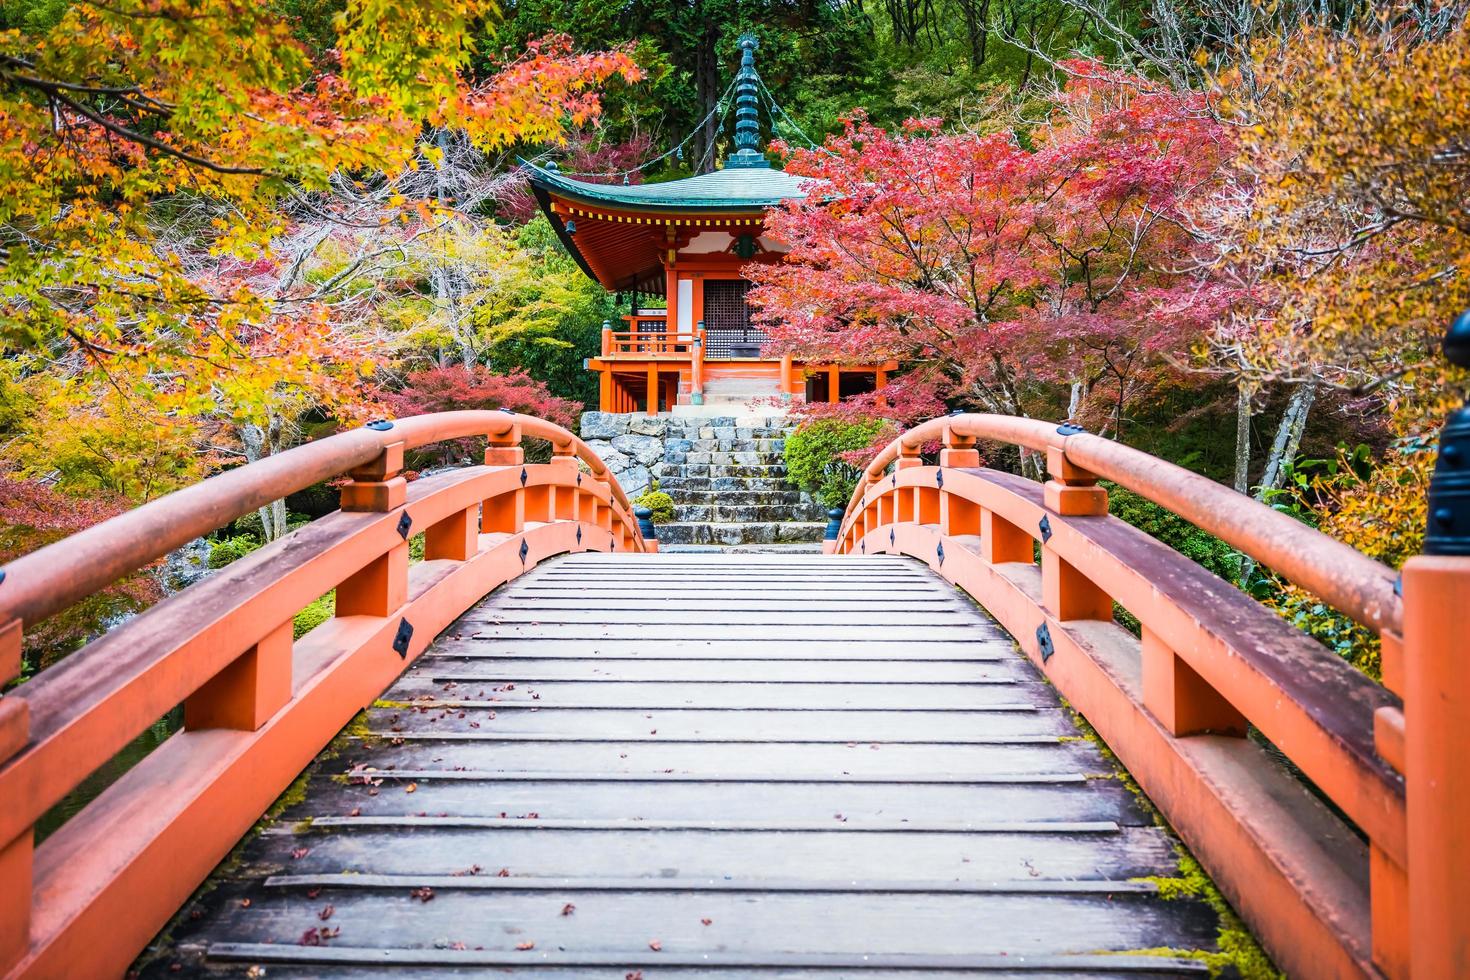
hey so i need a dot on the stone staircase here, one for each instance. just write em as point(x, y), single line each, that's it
point(726, 475)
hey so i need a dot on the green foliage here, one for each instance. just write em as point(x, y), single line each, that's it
point(814, 451)
point(314, 615)
point(223, 551)
point(657, 501)
point(1198, 546)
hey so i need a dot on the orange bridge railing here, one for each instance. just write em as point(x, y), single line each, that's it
point(258, 706)
point(1370, 883)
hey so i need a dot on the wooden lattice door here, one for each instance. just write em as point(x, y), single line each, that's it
point(727, 327)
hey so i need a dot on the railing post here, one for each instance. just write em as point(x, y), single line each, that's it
point(505, 513)
point(652, 387)
point(607, 339)
point(456, 537)
point(958, 515)
point(381, 586)
point(564, 459)
point(1436, 589)
point(377, 486)
point(245, 694)
point(786, 365)
point(1071, 492)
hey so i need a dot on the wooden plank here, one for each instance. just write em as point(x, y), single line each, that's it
point(1132, 852)
point(623, 923)
point(873, 633)
point(1072, 800)
point(736, 758)
point(719, 670)
point(835, 726)
point(789, 966)
point(748, 618)
point(747, 694)
point(981, 648)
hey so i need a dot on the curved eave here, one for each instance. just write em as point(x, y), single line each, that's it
point(543, 199)
point(637, 201)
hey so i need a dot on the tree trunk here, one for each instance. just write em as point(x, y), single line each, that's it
point(1283, 451)
point(1288, 437)
point(260, 443)
point(1242, 436)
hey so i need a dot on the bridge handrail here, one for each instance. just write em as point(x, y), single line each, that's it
point(1362, 885)
point(1340, 575)
point(47, 581)
point(259, 703)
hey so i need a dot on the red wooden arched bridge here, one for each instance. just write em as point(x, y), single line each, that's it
point(545, 749)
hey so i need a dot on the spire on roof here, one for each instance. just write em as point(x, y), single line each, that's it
point(747, 110)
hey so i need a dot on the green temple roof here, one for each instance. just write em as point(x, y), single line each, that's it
point(746, 181)
point(731, 189)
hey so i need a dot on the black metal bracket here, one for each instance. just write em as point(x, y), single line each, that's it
point(939, 479)
point(1045, 526)
point(525, 550)
point(401, 638)
point(523, 476)
point(579, 534)
point(1043, 642)
point(891, 537)
point(940, 552)
point(404, 523)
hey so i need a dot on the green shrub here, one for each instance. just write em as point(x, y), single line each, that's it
point(813, 454)
point(657, 501)
point(223, 551)
point(314, 615)
point(1198, 546)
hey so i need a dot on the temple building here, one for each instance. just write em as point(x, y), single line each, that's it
point(687, 241)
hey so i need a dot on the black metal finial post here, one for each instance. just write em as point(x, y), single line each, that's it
point(834, 523)
point(645, 523)
point(1448, 532)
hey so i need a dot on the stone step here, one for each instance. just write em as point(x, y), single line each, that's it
point(772, 532)
point(735, 498)
point(756, 471)
point(722, 483)
point(734, 458)
point(760, 444)
point(747, 513)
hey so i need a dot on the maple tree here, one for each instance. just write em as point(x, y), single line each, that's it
point(33, 514)
point(1015, 274)
point(152, 153)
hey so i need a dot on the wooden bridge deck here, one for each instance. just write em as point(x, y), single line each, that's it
point(705, 765)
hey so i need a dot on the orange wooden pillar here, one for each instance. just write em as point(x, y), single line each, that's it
point(652, 387)
point(834, 384)
point(605, 390)
point(786, 366)
point(1436, 774)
